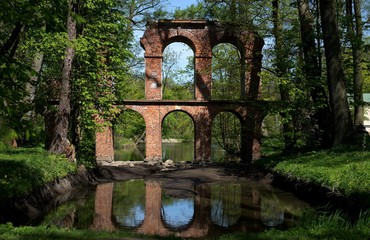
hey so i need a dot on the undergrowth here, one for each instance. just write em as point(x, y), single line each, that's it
point(22, 169)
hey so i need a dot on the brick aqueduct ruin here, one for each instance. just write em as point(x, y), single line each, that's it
point(201, 36)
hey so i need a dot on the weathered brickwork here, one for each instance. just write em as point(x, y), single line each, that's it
point(201, 36)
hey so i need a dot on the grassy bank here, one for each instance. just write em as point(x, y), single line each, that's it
point(23, 169)
point(325, 227)
point(345, 173)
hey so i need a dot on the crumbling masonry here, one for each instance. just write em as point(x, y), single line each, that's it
point(201, 36)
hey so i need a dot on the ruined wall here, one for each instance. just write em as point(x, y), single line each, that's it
point(201, 36)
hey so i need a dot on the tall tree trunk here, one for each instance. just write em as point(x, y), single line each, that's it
point(312, 72)
point(343, 127)
point(12, 41)
point(281, 70)
point(355, 35)
point(60, 143)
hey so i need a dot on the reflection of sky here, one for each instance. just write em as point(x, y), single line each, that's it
point(179, 212)
point(134, 218)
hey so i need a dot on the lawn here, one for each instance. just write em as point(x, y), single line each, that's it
point(343, 172)
point(23, 169)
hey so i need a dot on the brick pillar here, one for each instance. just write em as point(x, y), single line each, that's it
point(103, 207)
point(203, 78)
point(104, 151)
point(153, 141)
point(250, 138)
point(153, 78)
point(202, 125)
point(152, 223)
point(247, 136)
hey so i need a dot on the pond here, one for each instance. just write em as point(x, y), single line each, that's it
point(182, 207)
point(182, 151)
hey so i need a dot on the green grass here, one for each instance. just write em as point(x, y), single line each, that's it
point(343, 172)
point(324, 227)
point(23, 169)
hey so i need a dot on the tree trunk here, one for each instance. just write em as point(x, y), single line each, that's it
point(312, 72)
point(13, 40)
point(60, 143)
point(281, 70)
point(355, 35)
point(342, 123)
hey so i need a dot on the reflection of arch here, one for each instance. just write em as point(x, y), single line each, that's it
point(168, 214)
point(129, 203)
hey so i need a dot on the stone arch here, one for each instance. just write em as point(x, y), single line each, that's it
point(190, 147)
point(178, 81)
point(231, 141)
point(132, 150)
point(231, 74)
point(202, 35)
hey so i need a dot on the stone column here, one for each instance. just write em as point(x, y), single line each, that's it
point(153, 142)
point(153, 78)
point(202, 124)
point(104, 151)
point(203, 78)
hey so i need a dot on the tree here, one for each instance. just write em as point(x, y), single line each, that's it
point(60, 143)
point(312, 72)
point(342, 123)
point(355, 37)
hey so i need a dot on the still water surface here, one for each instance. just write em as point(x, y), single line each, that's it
point(157, 206)
point(183, 151)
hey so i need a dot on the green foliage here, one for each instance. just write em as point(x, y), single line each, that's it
point(9, 232)
point(178, 125)
point(343, 172)
point(192, 12)
point(23, 169)
point(226, 72)
point(226, 131)
point(129, 128)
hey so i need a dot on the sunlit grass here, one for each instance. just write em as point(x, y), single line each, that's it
point(332, 226)
point(23, 169)
point(345, 172)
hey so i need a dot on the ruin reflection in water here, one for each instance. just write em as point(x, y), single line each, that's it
point(208, 209)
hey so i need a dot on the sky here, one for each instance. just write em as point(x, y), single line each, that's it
point(174, 4)
point(181, 48)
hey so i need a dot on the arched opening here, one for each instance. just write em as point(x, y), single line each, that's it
point(272, 135)
point(178, 72)
point(129, 203)
point(226, 72)
point(177, 212)
point(129, 137)
point(226, 137)
point(178, 137)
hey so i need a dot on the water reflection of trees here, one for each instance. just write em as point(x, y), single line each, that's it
point(129, 202)
point(226, 203)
